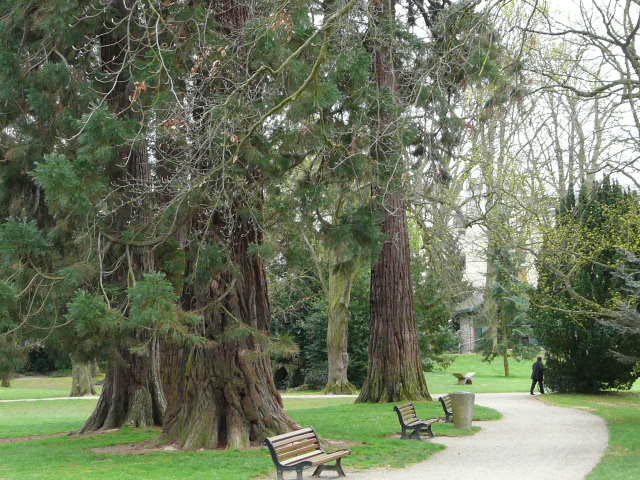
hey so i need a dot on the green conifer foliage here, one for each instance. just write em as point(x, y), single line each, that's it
point(579, 291)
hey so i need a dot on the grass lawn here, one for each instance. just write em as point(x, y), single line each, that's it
point(21, 419)
point(36, 387)
point(622, 414)
point(364, 427)
point(489, 376)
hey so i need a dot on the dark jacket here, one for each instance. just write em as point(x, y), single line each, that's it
point(538, 371)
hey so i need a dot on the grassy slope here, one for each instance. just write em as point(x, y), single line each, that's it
point(622, 414)
point(71, 458)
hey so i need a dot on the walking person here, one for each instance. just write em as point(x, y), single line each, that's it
point(537, 376)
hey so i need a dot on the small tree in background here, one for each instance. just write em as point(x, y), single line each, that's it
point(512, 321)
point(433, 311)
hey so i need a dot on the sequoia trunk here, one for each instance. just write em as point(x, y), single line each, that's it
point(131, 394)
point(223, 394)
point(395, 368)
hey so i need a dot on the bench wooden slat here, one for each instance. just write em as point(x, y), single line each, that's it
point(284, 436)
point(429, 421)
point(285, 449)
point(299, 451)
point(300, 458)
point(290, 441)
point(328, 457)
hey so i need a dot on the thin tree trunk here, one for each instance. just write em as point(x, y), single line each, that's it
point(490, 308)
point(341, 279)
point(81, 378)
point(505, 362)
point(5, 381)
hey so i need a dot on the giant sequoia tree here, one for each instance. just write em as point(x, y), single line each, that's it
point(395, 367)
point(139, 218)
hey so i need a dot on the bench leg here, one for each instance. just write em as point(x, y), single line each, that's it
point(279, 475)
point(429, 431)
point(299, 472)
point(337, 468)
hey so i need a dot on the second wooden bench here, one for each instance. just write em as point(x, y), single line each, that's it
point(447, 406)
point(409, 421)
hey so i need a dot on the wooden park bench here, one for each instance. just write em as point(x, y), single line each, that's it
point(447, 406)
point(301, 449)
point(464, 379)
point(410, 421)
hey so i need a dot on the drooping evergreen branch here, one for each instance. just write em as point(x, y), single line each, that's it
point(267, 69)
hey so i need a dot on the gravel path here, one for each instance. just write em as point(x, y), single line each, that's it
point(533, 440)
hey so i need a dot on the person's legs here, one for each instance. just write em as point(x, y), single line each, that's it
point(540, 383)
point(533, 384)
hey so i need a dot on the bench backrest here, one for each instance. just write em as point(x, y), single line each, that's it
point(406, 413)
point(445, 400)
point(293, 446)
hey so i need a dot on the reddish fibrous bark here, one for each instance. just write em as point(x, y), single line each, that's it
point(131, 395)
point(223, 394)
point(395, 369)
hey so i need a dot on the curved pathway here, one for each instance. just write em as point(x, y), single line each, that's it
point(533, 440)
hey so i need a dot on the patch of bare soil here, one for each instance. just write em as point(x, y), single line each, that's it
point(148, 446)
point(31, 437)
point(52, 435)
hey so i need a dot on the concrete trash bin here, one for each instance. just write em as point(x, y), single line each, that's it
point(462, 404)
